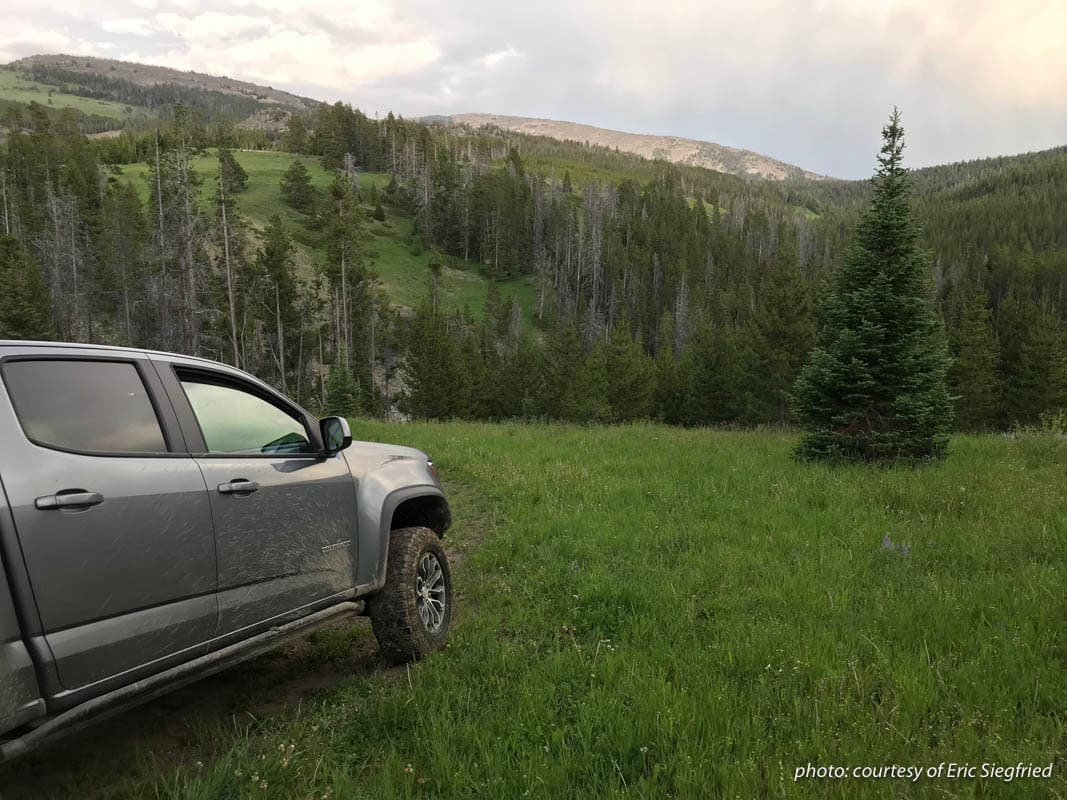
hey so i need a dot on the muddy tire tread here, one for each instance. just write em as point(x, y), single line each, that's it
point(394, 616)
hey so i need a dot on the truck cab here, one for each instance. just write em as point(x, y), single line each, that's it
point(162, 515)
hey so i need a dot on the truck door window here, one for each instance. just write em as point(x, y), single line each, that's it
point(235, 421)
point(86, 406)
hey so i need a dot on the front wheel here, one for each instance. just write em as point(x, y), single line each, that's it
point(411, 613)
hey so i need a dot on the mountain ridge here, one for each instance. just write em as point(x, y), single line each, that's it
point(263, 107)
point(142, 74)
point(676, 149)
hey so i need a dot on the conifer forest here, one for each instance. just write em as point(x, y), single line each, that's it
point(618, 288)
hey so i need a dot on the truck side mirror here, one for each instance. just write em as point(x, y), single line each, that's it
point(336, 435)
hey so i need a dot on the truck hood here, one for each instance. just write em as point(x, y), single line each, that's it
point(383, 453)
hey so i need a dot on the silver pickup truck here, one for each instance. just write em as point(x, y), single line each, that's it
point(163, 517)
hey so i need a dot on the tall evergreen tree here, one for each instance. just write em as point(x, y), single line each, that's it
point(586, 398)
point(713, 369)
point(438, 385)
point(876, 389)
point(123, 247)
point(974, 370)
point(281, 315)
point(631, 377)
point(562, 363)
point(342, 389)
point(24, 305)
point(295, 138)
point(783, 333)
point(670, 382)
point(297, 191)
point(1034, 362)
point(231, 172)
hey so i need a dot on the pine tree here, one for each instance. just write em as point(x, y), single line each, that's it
point(353, 311)
point(1014, 316)
point(631, 377)
point(783, 333)
point(715, 377)
point(342, 389)
point(232, 173)
point(670, 382)
point(122, 250)
point(24, 305)
point(1036, 378)
point(295, 138)
point(297, 191)
point(973, 375)
point(876, 389)
point(437, 382)
point(281, 314)
point(563, 362)
point(586, 399)
point(520, 378)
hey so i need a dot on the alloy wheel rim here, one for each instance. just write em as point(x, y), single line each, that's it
point(430, 592)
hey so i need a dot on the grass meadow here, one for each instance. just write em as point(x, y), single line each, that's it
point(16, 88)
point(651, 612)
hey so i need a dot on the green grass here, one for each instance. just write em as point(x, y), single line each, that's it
point(650, 612)
point(15, 88)
point(394, 253)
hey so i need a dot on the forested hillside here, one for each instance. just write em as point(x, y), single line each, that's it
point(376, 265)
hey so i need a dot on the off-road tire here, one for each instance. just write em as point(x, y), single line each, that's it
point(402, 634)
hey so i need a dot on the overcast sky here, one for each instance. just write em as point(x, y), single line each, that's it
point(806, 81)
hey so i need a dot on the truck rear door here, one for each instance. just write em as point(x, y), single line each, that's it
point(111, 514)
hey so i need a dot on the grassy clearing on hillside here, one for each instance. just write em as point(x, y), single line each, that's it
point(393, 252)
point(17, 89)
point(654, 612)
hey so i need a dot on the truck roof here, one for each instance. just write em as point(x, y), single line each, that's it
point(109, 347)
point(142, 351)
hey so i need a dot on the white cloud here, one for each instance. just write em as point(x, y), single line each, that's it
point(283, 44)
point(134, 26)
point(212, 28)
point(492, 60)
point(991, 48)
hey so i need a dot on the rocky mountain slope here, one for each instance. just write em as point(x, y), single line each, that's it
point(670, 148)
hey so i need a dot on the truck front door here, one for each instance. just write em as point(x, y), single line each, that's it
point(285, 515)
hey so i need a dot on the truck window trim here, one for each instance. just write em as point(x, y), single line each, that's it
point(167, 426)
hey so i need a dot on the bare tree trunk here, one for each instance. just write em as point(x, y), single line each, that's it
point(322, 374)
point(300, 356)
point(345, 331)
point(73, 252)
point(192, 321)
point(50, 246)
point(281, 334)
point(159, 196)
point(373, 317)
point(466, 219)
point(229, 268)
point(3, 193)
point(681, 316)
point(162, 339)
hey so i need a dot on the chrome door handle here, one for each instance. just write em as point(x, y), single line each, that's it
point(238, 486)
point(69, 500)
